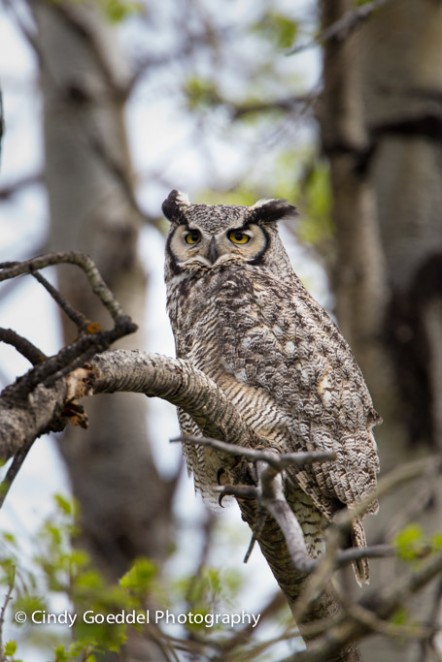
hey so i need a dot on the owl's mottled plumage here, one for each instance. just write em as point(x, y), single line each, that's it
point(241, 315)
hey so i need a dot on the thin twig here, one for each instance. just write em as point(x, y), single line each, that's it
point(82, 349)
point(80, 320)
point(100, 289)
point(382, 603)
point(375, 624)
point(13, 470)
point(277, 461)
point(351, 554)
point(23, 346)
point(272, 498)
point(270, 495)
point(343, 27)
point(6, 601)
point(11, 189)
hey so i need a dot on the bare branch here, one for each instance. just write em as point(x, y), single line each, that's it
point(382, 604)
point(14, 469)
point(9, 190)
point(376, 624)
point(6, 601)
point(78, 352)
point(12, 269)
point(21, 423)
point(40, 401)
point(78, 318)
point(342, 28)
point(274, 501)
point(278, 461)
point(286, 104)
point(180, 383)
point(22, 345)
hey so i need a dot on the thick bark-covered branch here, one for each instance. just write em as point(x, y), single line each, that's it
point(178, 382)
point(174, 380)
point(22, 422)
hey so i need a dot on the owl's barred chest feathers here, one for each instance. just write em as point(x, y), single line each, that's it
point(243, 322)
point(241, 315)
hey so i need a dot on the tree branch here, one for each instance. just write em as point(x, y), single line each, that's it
point(22, 345)
point(378, 604)
point(343, 27)
point(91, 340)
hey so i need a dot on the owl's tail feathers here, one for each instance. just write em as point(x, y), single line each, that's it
point(360, 566)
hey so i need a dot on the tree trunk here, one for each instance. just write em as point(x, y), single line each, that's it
point(125, 506)
point(381, 123)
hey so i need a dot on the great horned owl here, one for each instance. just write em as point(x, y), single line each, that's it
point(241, 315)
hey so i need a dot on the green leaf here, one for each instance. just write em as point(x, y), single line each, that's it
point(9, 538)
point(117, 11)
point(10, 648)
point(436, 542)
point(278, 28)
point(29, 604)
point(8, 571)
point(410, 543)
point(64, 505)
point(60, 654)
point(201, 93)
point(400, 616)
point(139, 577)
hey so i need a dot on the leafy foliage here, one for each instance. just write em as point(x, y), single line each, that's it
point(62, 570)
point(98, 615)
point(412, 544)
point(277, 28)
point(200, 93)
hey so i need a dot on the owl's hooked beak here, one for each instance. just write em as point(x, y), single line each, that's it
point(213, 254)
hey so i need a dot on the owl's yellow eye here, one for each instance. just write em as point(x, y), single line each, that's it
point(238, 237)
point(192, 237)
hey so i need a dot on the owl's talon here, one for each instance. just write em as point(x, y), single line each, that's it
point(219, 475)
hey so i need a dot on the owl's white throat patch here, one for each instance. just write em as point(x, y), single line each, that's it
point(199, 260)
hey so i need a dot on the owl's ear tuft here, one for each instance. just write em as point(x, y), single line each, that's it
point(268, 211)
point(175, 205)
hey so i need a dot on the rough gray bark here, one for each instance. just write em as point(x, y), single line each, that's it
point(381, 123)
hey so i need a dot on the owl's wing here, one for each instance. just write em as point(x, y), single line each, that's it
point(345, 418)
point(288, 346)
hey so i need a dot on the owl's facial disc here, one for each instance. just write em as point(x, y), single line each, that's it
point(193, 247)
